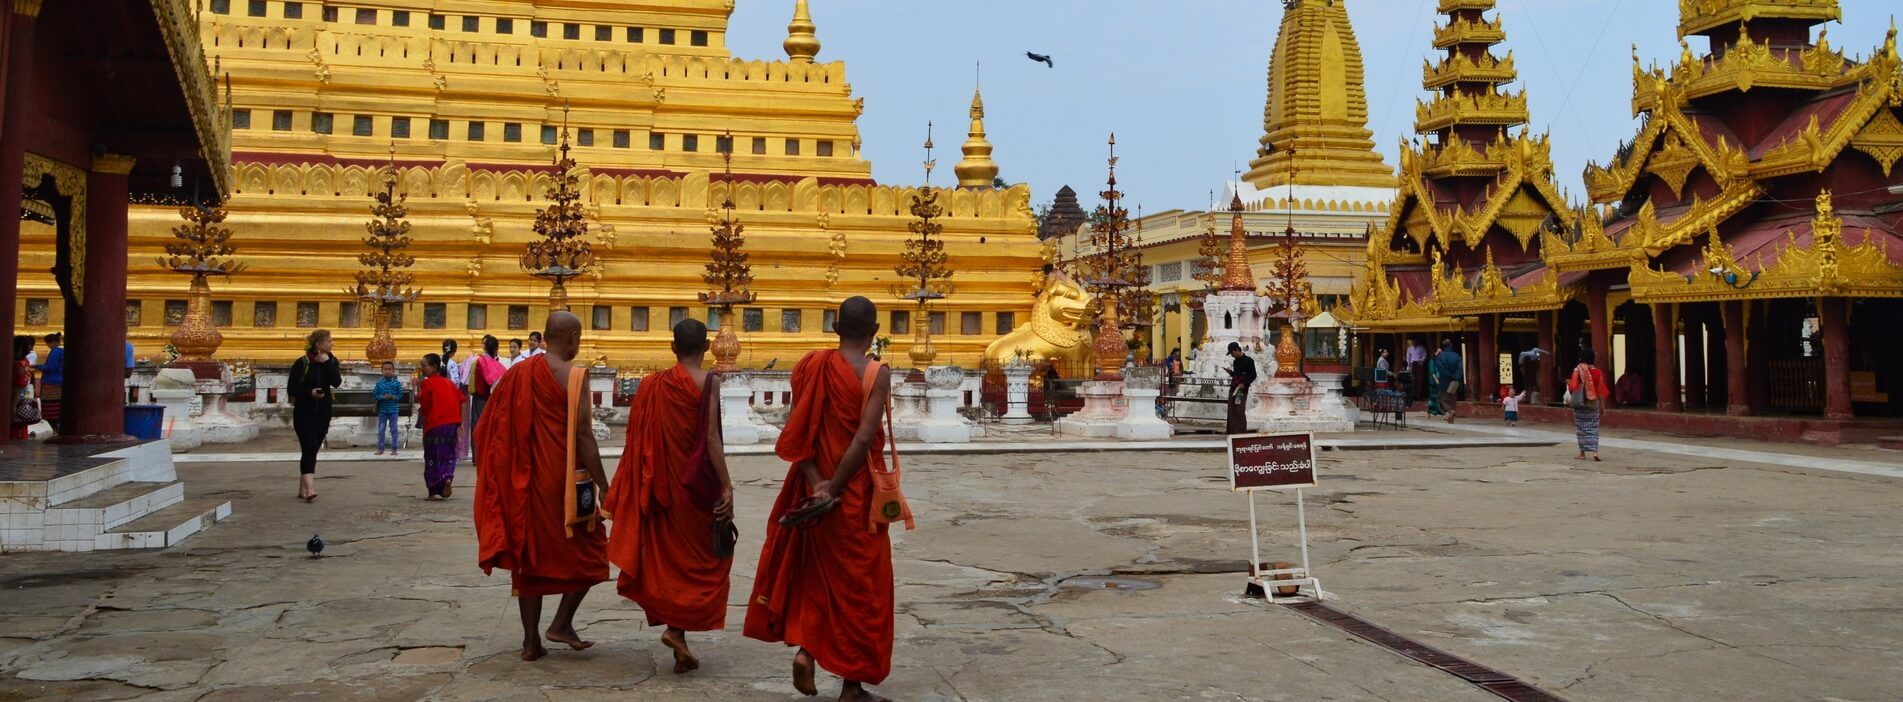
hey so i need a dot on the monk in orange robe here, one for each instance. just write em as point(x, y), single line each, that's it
point(662, 539)
point(522, 483)
point(825, 577)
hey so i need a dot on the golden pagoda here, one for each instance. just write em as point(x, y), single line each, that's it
point(472, 96)
point(977, 170)
point(1317, 109)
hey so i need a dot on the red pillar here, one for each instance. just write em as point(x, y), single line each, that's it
point(1596, 292)
point(1548, 363)
point(1757, 354)
point(1694, 323)
point(1664, 358)
point(95, 376)
point(13, 140)
point(1834, 314)
point(1488, 357)
point(1736, 400)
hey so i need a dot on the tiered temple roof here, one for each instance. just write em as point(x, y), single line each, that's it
point(1763, 169)
point(1462, 234)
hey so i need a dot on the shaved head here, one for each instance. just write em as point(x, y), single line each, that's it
point(858, 319)
point(562, 335)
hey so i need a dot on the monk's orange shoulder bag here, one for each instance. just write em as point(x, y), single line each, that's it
point(888, 503)
point(582, 498)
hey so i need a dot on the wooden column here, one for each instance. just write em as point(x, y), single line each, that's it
point(1694, 329)
point(1757, 354)
point(1488, 357)
point(1549, 362)
point(1737, 402)
point(1665, 360)
point(95, 358)
point(1834, 314)
point(1596, 292)
point(14, 136)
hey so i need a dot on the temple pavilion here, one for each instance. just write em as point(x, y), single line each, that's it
point(1744, 244)
point(105, 102)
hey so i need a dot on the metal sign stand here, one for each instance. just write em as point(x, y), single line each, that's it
point(1308, 587)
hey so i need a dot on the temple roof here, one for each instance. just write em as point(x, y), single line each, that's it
point(1316, 118)
point(1703, 16)
point(1064, 217)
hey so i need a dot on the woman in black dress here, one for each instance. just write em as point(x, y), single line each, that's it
point(313, 377)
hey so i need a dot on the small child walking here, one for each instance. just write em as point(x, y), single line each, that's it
point(389, 394)
point(1511, 400)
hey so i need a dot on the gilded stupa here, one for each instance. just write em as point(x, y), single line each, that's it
point(471, 97)
point(1317, 108)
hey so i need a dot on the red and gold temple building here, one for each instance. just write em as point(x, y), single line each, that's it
point(1746, 244)
point(104, 102)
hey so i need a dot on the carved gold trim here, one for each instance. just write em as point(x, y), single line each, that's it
point(30, 8)
point(1528, 166)
point(178, 24)
point(1827, 268)
point(114, 164)
point(70, 181)
point(1882, 139)
point(1701, 15)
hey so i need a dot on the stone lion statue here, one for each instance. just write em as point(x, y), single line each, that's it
point(1058, 330)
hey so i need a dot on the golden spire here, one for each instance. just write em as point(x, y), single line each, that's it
point(1466, 83)
point(1235, 273)
point(802, 43)
point(977, 170)
point(1317, 106)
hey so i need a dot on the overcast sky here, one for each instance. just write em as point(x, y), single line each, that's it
point(1182, 82)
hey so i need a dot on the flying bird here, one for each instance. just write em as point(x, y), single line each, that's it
point(315, 545)
point(1041, 58)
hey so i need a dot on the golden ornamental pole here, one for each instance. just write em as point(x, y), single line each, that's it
point(384, 283)
point(201, 250)
point(562, 252)
point(923, 263)
point(729, 275)
point(1111, 274)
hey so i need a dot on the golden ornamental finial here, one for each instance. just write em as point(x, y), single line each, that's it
point(802, 39)
point(977, 170)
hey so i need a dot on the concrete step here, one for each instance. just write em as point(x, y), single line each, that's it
point(165, 527)
point(86, 517)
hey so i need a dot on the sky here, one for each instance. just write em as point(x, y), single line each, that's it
point(1182, 82)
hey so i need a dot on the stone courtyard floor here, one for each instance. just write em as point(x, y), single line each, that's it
point(1651, 576)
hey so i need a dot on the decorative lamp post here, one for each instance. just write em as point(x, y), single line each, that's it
point(562, 253)
point(728, 272)
point(385, 281)
point(1138, 307)
point(923, 263)
point(1290, 291)
point(1109, 272)
point(200, 251)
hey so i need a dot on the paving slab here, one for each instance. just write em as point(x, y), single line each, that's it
point(1658, 574)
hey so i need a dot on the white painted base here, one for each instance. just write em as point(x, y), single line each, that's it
point(1017, 393)
point(1140, 422)
point(1294, 405)
point(738, 424)
point(177, 426)
point(1104, 409)
point(218, 425)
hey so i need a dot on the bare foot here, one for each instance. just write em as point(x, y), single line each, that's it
point(1595, 457)
point(803, 673)
point(532, 650)
point(684, 660)
point(568, 638)
point(447, 488)
point(854, 692)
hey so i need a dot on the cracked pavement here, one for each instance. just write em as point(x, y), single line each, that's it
point(1646, 577)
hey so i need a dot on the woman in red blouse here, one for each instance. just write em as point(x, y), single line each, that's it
point(440, 412)
point(1587, 386)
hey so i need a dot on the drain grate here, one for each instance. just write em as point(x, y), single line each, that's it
point(1092, 582)
point(1501, 684)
